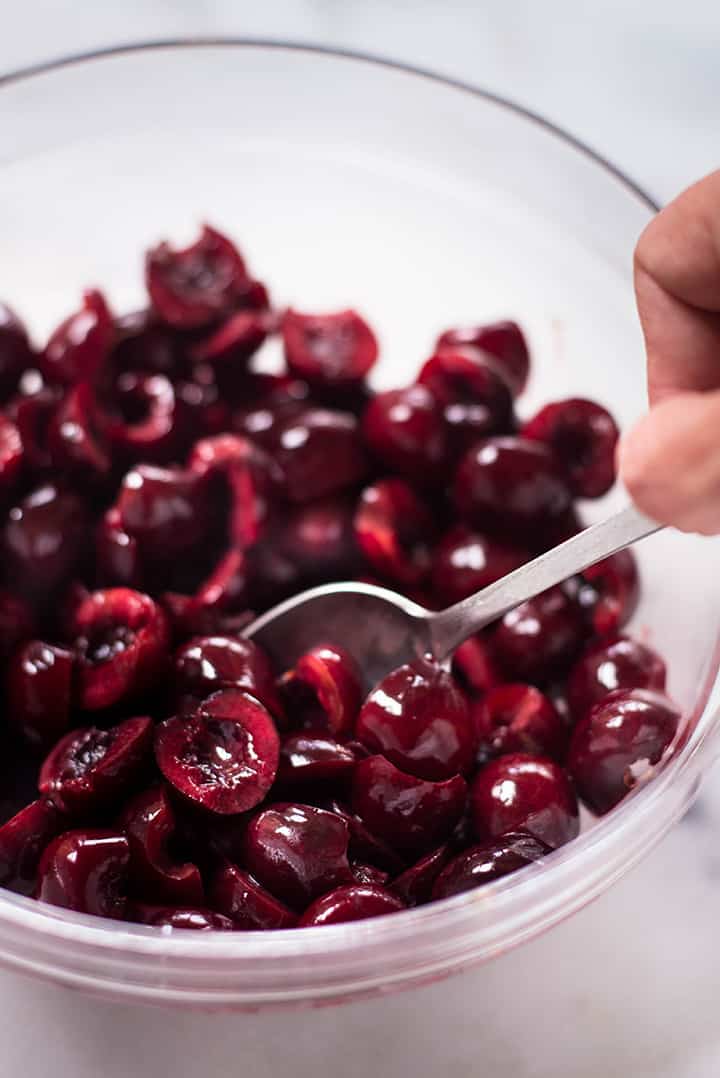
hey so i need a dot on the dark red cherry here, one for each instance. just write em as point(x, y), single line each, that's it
point(415, 884)
point(142, 343)
point(617, 744)
point(16, 354)
point(220, 602)
point(488, 861)
point(521, 792)
point(540, 637)
point(310, 758)
point(224, 756)
point(394, 530)
point(149, 823)
point(206, 664)
point(511, 486)
point(621, 664)
point(44, 540)
point(86, 871)
point(319, 539)
point(613, 592)
point(246, 902)
point(354, 902)
point(364, 845)
point(298, 852)
point(405, 430)
point(22, 840)
point(319, 452)
point(194, 287)
point(32, 411)
point(77, 450)
point(185, 917)
point(475, 398)
point(91, 767)
point(250, 476)
point(238, 338)
point(324, 689)
point(519, 718)
point(503, 341)
point(164, 509)
point(369, 874)
point(11, 455)
point(409, 813)
point(117, 559)
point(142, 421)
point(40, 691)
point(419, 719)
point(583, 436)
point(475, 666)
point(328, 349)
point(466, 561)
point(17, 623)
point(121, 640)
point(79, 346)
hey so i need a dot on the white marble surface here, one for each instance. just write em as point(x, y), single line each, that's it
point(630, 985)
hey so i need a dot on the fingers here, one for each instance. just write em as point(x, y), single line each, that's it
point(677, 282)
point(670, 462)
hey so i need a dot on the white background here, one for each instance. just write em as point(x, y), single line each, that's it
point(636, 986)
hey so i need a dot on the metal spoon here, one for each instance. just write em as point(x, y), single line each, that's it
point(383, 630)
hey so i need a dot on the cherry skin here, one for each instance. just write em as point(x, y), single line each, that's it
point(205, 664)
point(23, 839)
point(519, 718)
point(330, 350)
point(307, 759)
point(475, 398)
point(298, 852)
point(44, 540)
point(224, 756)
point(246, 903)
point(319, 452)
point(184, 917)
point(354, 902)
point(540, 637)
point(165, 510)
point(488, 861)
point(405, 430)
point(621, 664)
point(149, 822)
point(584, 437)
point(394, 529)
point(16, 355)
point(325, 686)
point(521, 792)
point(86, 871)
point(466, 561)
point(503, 342)
point(40, 691)
point(11, 455)
point(618, 742)
point(415, 884)
point(80, 344)
point(612, 593)
point(419, 719)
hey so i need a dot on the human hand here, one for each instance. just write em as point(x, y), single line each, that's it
point(670, 461)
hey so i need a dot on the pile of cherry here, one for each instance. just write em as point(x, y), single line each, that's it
point(157, 489)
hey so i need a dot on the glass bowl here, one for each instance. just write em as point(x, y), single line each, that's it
point(425, 203)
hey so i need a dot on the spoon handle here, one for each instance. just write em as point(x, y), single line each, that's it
point(450, 627)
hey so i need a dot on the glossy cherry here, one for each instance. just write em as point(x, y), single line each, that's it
point(583, 436)
point(298, 852)
point(86, 871)
point(612, 593)
point(143, 420)
point(121, 641)
point(488, 861)
point(165, 510)
point(77, 451)
point(238, 338)
point(44, 539)
point(376, 877)
point(310, 758)
point(11, 455)
point(185, 917)
point(622, 663)
point(519, 718)
point(149, 822)
point(504, 342)
point(16, 353)
point(117, 557)
point(89, 768)
point(466, 561)
point(394, 530)
point(246, 902)
point(617, 744)
point(23, 839)
point(205, 664)
point(415, 884)
point(333, 350)
point(318, 539)
point(475, 666)
point(323, 689)
point(521, 792)
point(40, 691)
point(511, 486)
point(405, 430)
point(475, 398)
point(80, 344)
point(411, 814)
point(419, 719)
point(319, 452)
point(540, 637)
point(224, 756)
point(354, 902)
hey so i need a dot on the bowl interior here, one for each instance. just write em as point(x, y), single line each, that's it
point(349, 183)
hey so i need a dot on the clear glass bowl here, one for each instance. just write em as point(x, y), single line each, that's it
point(349, 181)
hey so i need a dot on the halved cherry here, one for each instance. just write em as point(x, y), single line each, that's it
point(185, 917)
point(584, 437)
point(11, 455)
point(475, 397)
point(364, 845)
point(319, 452)
point(165, 510)
point(323, 689)
point(91, 767)
point(613, 591)
point(32, 411)
point(310, 758)
point(141, 420)
point(40, 691)
point(318, 538)
point(79, 346)
point(394, 530)
point(246, 902)
point(76, 448)
point(117, 559)
point(519, 718)
point(86, 871)
point(376, 877)
point(354, 902)
point(475, 666)
point(488, 861)
point(250, 475)
point(23, 839)
point(329, 349)
point(238, 338)
point(415, 884)
point(503, 341)
point(149, 823)
point(411, 814)
point(206, 664)
point(419, 719)
point(197, 285)
point(44, 539)
point(223, 757)
point(219, 604)
point(121, 641)
point(466, 561)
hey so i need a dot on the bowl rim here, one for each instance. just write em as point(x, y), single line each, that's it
point(344, 961)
